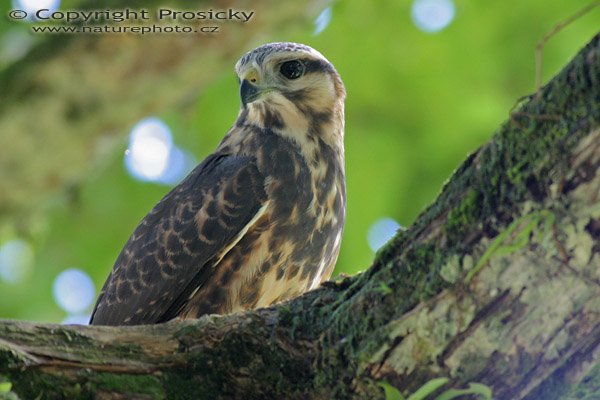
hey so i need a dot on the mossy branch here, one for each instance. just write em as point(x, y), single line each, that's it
point(497, 283)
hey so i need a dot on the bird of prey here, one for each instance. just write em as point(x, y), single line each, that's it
point(260, 220)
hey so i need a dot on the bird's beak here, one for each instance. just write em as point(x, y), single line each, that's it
point(248, 92)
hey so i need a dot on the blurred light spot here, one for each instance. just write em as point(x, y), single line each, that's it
point(432, 15)
point(152, 156)
point(14, 45)
point(73, 291)
point(16, 261)
point(179, 164)
point(150, 143)
point(322, 20)
point(31, 6)
point(381, 231)
point(76, 319)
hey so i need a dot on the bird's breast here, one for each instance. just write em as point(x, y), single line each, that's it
point(294, 244)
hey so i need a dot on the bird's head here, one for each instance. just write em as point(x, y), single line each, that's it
point(290, 87)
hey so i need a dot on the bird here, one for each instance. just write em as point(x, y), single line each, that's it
point(258, 221)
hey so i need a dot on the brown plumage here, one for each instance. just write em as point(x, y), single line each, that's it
point(260, 220)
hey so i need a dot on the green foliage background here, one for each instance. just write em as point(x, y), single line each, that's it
point(417, 105)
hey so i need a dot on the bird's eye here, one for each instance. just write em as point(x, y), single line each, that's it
point(292, 69)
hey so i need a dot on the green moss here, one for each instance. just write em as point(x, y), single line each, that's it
point(236, 351)
point(464, 216)
point(72, 391)
point(513, 238)
point(10, 358)
point(128, 384)
point(85, 385)
point(180, 385)
point(422, 265)
point(31, 385)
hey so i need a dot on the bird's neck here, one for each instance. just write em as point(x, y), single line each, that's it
point(303, 126)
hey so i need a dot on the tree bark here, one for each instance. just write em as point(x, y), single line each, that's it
point(497, 282)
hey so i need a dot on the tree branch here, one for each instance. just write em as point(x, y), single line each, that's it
point(497, 282)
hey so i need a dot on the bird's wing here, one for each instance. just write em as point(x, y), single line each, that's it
point(172, 251)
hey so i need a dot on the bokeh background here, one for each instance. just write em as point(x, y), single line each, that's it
point(428, 82)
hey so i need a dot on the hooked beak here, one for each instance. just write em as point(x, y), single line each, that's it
point(248, 92)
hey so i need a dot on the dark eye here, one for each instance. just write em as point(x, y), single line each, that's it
point(292, 69)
